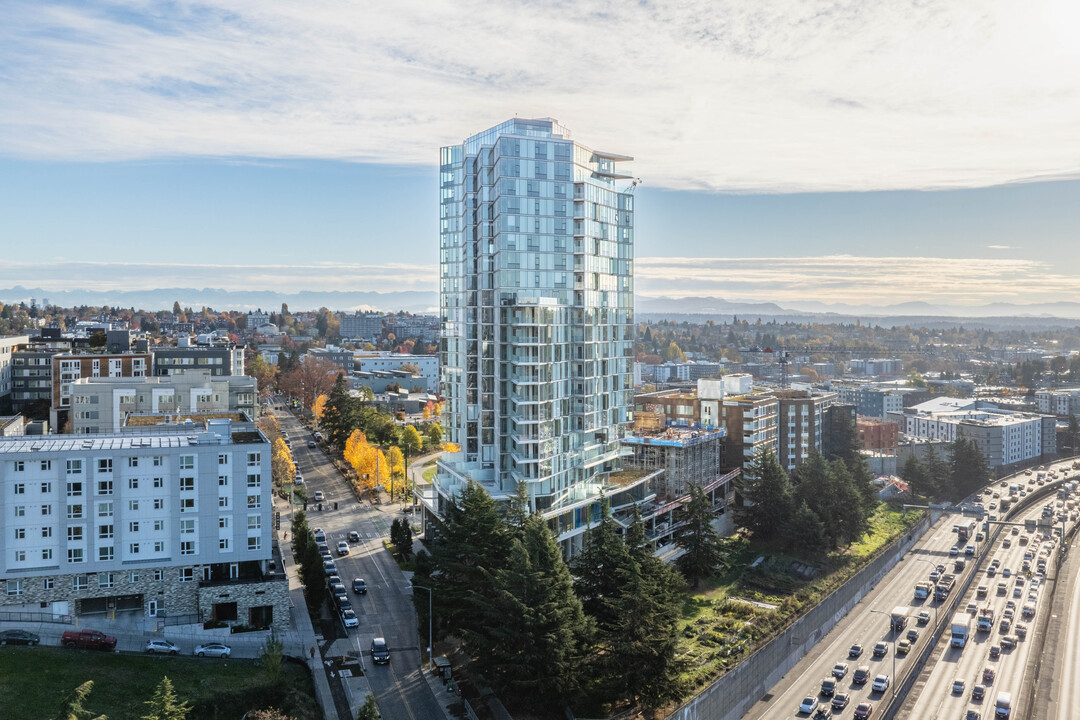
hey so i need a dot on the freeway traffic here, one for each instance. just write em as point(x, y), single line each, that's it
point(804, 688)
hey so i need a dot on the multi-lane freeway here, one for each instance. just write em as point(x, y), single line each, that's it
point(386, 609)
point(869, 623)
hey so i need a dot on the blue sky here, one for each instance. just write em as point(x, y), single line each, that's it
point(791, 151)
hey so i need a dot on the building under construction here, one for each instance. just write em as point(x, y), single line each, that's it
point(689, 453)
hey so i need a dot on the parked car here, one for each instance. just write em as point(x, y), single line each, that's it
point(329, 567)
point(349, 619)
point(162, 647)
point(359, 586)
point(380, 652)
point(299, 479)
point(88, 640)
point(213, 650)
point(19, 637)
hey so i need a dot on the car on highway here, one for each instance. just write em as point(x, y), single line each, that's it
point(862, 674)
point(311, 444)
point(354, 537)
point(359, 586)
point(923, 617)
point(880, 649)
point(809, 704)
point(1021, 631)
point(1015, 530)
point(913, 635)
point(971, 714)
point(839, 670)
point(380, 652)
point(855, 651)
point(978, 692)
point(1018, 592)
point(1006, 572)
point(319, 496)
point(1008, 642)
point(954, 550)
point(935, 576)
point(958, 686)
point(991, 571)
point(343, 548)
point(213, 650)
point(1006, 543)
point(162, 647)
point(1002, 588)
point(881, 683)
point(19, 637)
point(995, 652)
point(980, 592)
point(988, 674)
point(840, 701)
point(863, 711)
point(969, 550)
point(903, 647)
point(349, 619)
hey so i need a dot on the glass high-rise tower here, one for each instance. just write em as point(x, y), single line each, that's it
point(537, 304)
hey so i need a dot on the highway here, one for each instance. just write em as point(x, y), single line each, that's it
point(386, 610)
point(934, 694)
point(866, 625)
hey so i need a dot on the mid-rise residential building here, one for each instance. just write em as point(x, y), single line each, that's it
point(257, 319)
point(8, 344)
point(339, 356)
point(32, 375)
point(877, 434)
point(71, 366)
point(536, 301)
point(838, 420)
point(219, 356)
point(877, 366)
point(103, 405)
point(419, 327)
point(871, 401)
point(380, 381)
point(800, 424)
point(752, 423)
point(1005, 438)
point(173, 519)
point(366, 327)
point(1063, 402)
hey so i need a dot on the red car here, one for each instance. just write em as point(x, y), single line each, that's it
point(863, 711)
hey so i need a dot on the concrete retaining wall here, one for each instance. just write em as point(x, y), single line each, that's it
point(732, 695)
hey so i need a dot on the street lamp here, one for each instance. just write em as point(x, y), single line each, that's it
point(431, 644)
point(891, 629)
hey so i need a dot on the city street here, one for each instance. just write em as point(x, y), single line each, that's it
point(386, 610)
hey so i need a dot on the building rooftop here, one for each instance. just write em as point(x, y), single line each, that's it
point(154, 419)
point(676, 435)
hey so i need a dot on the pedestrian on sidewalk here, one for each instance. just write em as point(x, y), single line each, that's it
point(312, 651)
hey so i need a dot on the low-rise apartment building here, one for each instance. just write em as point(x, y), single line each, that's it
point(8, 344)
point(219, 356)
point(103, 405)
point(1005, 438)
point(169, 519)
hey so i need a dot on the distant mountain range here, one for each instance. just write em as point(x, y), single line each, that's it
point(428, 302)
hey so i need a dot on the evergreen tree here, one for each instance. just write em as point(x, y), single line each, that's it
point(804, 530)
point(597, 575)
point(937, 473)
point(72, 706)
point(164, 705)
point(969, 470)
point(1073, 433)
point(534, 643)
point(339, 415)
point(697, 536)
point(369, 710)
point(914, 474)
point(472, 546)
point(766, 494)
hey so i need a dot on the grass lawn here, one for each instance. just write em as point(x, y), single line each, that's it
point(34, 681)
point(429, 474)
point(735, 611)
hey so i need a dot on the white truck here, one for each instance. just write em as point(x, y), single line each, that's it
point(986, 619)
point(1003, 705)
point(898, 619)
point(922, 590)
point(961, 629)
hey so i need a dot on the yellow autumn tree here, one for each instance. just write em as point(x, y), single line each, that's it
point(354, 448)
point(397, 469)
point(373, 469)
point(319, 407)
point(282, 467)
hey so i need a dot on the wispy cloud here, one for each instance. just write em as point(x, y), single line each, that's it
point(1000, 247)
point(792, 280)
point(778, 95)
point(858, 280)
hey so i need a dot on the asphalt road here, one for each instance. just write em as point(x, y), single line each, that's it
point(933, 695)
point(386, 610)
point(865, 625)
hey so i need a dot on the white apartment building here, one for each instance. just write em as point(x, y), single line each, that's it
point(103, 405)
point(174, 519)
point(1059, 402)
point(1005, 438)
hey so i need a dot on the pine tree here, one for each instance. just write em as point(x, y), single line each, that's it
point(766, 497)
point(369, 710)
point(164, 705)
point(339, 416)
point(914, 474)
point(72, 706)
point(597, 575)
point(697, 536)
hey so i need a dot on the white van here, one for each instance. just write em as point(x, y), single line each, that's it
point(1003, 705)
